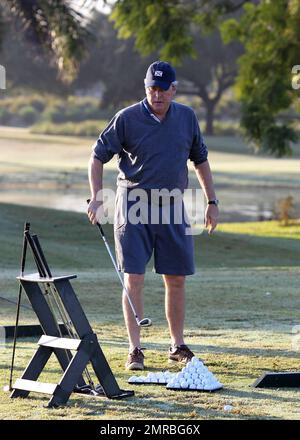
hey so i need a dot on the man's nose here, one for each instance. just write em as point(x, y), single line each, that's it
point(157, 93)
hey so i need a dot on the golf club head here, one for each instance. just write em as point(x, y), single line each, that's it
point(146, 322)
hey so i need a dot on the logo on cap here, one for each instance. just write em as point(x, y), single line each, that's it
point(158, 73)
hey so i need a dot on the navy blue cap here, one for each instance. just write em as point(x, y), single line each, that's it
point(160, 74)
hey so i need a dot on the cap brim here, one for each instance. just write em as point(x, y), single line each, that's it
point(156, 83)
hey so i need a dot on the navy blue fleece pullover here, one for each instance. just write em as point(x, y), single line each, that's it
point(152, 154)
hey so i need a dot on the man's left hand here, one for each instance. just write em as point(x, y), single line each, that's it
point(211, 218)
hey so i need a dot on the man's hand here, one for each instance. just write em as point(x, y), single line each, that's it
point(93, 211)
point(211, 218)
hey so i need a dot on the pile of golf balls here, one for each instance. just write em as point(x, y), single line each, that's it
point(194, 376)
point(162, 377)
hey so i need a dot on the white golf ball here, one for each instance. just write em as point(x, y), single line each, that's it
point(183, 384)
point(138, 379)
point(132, 379)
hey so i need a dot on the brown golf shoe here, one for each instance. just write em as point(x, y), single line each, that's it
point(180, 353)
point(135, 360)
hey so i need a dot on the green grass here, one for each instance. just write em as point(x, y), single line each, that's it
point(242, 308)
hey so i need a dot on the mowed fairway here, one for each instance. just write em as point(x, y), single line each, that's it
point(243, 303)
point(243, 308)
point(51, 171)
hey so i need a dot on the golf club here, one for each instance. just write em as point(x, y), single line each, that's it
point(146, 322)
point(22, 268)
point(52, 294)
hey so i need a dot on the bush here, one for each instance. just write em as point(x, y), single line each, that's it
point(25, 110)
point(86, 128)
point(230, 128)
point(4, 116)
point(284, 209)
point(74, 109)
point(28, 114)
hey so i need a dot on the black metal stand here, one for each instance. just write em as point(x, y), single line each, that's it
point(83, 341)
point(278, 380)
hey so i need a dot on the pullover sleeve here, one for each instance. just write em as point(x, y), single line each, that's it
point(198, 153)
point(110, 141)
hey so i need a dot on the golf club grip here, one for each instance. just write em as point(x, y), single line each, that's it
point(41, 255)
point(36, 255)
point(24, 250)
point(98, 224)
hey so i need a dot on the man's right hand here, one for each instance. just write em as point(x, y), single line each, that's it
point(94, 211)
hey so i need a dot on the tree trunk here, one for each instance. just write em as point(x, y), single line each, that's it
point(210, 109)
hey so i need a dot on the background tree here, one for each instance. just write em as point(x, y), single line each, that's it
point(54, 25)
point(27, 64)
point(269, 31)
point(115, 62)
point(121, 68)
point(211, 73)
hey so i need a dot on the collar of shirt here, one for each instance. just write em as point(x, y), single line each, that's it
point(147, 107)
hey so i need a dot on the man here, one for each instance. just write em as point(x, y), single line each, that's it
point(154, 139)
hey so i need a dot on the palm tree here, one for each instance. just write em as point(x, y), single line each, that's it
point(56, 25)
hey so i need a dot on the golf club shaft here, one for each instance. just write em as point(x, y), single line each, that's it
point(117, 270)
point(23, 260)
point(119, 275)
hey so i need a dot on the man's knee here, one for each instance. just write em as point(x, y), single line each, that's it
point(134, 281)
point(174, 281)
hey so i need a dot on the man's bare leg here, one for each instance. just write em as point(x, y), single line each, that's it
point(134, 284)
point(175, 306)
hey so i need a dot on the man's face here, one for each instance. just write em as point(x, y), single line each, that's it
point(160, 99)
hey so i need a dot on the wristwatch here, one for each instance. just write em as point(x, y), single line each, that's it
point(213, 202)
